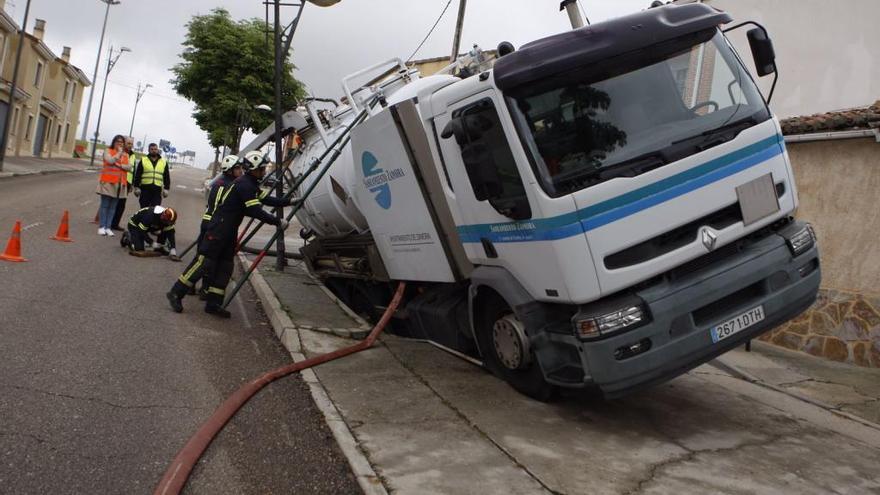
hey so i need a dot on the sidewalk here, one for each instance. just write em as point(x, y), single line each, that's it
point(414, 419)
point(15, 166)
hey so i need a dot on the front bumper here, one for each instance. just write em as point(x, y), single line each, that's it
point(683, 310)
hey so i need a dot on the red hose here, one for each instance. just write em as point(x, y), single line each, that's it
point(178, 472)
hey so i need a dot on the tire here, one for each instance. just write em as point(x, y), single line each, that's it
point(528, 378)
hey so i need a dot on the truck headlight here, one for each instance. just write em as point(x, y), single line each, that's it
point(801, 241)
point(591, 327)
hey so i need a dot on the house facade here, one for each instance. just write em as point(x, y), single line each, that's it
point(48, 97)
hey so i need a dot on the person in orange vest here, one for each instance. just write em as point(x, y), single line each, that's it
point(120, 207)
point(152, 178)
point(112, 183)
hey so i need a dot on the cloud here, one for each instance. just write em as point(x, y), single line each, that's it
point(330, 43)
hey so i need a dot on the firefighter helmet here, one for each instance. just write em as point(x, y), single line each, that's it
point(169, 216)
point(228, 163)
point(254, 160)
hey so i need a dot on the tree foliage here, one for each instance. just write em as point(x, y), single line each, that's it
point(227, 69)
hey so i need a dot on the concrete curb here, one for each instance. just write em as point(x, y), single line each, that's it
point(9, 175)
point(288, 333)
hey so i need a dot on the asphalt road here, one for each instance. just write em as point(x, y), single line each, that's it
point(101, 383)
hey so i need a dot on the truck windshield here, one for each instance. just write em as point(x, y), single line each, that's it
point(636, 112)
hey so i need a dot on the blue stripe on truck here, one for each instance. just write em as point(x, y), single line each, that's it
point(611, 210)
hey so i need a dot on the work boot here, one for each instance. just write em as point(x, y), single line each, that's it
point(215, 310)
point(175, 301)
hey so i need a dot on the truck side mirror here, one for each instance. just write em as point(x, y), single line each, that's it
point(482, 172)
point(762, 51)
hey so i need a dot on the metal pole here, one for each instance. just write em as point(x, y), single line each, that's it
point(101, 107)
point(574, 13)
point(95, 75)
point(280, 259)
point(140, 94)
point(11, 108)
point(456, 40)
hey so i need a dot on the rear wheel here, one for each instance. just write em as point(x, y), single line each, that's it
point(506, 351)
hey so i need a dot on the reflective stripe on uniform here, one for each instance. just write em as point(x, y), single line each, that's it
point(189, 273)
point(168, 228)
point(252, 202)
point(142, 226)
point(206, 217)
point(215, 290)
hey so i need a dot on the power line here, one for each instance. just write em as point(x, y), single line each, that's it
point(153, 93)
point(430, 31)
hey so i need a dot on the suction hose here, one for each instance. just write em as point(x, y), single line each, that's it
point(178, 472)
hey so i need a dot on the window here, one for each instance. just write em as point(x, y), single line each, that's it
point(58, 136)
point(38, 75)
point(625, 116)
point(27, 130)
point(489, 161)
point(66, 131)
point(66, 94)
point(14, 129)
point(72, 91)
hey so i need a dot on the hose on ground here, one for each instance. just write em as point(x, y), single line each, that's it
point(272, 252)
point(178, 472)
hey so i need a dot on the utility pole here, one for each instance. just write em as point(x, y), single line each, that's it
point(280, 259)
point(110, 63)
point(11, 107)
point(97, 63)
point(456, 40)
point(140, 93)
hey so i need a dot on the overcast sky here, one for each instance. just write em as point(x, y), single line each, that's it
point(330, 43)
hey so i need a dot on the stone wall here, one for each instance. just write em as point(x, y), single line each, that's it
point(841, 326)
point(839, 186)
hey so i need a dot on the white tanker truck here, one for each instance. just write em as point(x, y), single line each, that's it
point(606, 207)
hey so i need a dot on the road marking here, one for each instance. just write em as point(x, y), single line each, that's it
point(35, 224)
point(181, 186)
point(85, 202)
point(199, 189)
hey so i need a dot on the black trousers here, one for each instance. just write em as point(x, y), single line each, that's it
point(214, 262)
point(117, 215)
point(150, 196)
point(140, 239)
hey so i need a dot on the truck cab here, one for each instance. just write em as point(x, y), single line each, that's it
point(618, 201)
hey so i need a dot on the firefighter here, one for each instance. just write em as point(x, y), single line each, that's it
point(230, 167)
point(157, 220)
point(152, 178)
point(216, 250)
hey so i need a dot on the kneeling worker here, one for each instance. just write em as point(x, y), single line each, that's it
point(157, 220)
point(216, 250)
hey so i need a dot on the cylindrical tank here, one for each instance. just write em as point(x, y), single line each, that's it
point(329, 210)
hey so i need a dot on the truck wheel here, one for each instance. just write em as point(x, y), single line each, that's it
point(506, 350)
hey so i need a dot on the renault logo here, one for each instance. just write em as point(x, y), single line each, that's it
point(709, 239)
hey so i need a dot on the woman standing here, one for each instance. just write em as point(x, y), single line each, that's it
point(112, 183)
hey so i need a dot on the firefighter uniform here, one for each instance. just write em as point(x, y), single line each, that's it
point(216, 250)
point(151, 176)
point(149, 220)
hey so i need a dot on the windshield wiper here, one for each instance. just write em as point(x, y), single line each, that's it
point(718, 135)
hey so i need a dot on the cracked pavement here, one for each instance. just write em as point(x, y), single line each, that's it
point(101, 383)
point(431, 423)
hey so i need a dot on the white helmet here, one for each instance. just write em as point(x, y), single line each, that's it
point(253, 160)
point(228, 162)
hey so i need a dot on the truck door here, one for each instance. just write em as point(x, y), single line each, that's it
point(501, 213)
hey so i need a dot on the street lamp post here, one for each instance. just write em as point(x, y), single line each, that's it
point(11, 106)
point(97, 63)
point(111, 61)
point(140, 93)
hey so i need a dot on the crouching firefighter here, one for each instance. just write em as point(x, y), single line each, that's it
point(216, 250)
point(156, 220)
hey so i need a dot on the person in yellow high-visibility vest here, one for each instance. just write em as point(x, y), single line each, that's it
point(152, 178)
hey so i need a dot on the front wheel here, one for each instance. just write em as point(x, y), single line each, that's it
point(506, 351)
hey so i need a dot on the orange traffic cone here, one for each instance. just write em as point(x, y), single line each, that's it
point(63, 233)
point(13, 248)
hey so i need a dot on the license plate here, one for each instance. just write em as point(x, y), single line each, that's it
point(737, 324)
point(757, 199)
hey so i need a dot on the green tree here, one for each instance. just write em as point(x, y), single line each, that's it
point(227, 69)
